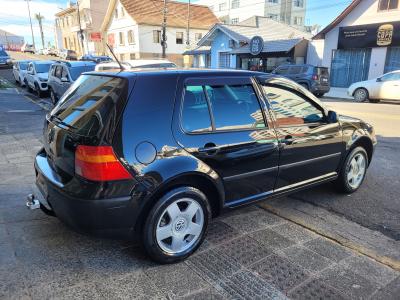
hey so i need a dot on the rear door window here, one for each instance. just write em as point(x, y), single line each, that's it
point(220, 108)
point(296, 70)
point(282, 70)
point(90, 103)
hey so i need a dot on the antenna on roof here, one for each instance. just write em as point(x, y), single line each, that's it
point(112, 52)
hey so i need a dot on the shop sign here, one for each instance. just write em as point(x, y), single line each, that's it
point(256, 45)
point(95, 36)
point(369, 35)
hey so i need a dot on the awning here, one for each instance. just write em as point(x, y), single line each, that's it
point(271, 46)
point(198, 50)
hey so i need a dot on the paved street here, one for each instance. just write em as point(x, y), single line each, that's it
point(249, 253)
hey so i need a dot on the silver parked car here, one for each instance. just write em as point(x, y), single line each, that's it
point(19, 71)
point(63, 74)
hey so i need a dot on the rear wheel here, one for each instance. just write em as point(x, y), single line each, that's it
point(53, 97)
point(176, 225)
point(361, 95)
point(28, 87)
point(353, 171)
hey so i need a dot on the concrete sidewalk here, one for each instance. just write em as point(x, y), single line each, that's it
point(248, 254)
point(338, 93)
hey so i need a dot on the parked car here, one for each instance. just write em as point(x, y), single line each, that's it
point(28, 48)
point(315, 79)
point(136, 64)
point(37, 75)
point(52, 52)
point(19, 71)
point(96, 58)
point(122, 157)
point(5, 59)
point(68, 54)
point(63, 74)
point(385, 87)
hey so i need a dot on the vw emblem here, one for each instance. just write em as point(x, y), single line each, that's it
point(180, 225)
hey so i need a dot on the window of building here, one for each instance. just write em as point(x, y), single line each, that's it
point(132, 56)
point(122, 56)
point(273, 16)
point(179, 37)
point(234, 20)
point(388, 4)
point(222, 6)
point(122, 12)
point(273, 1)
point(121, 38)
point(198, 36)
point(290, 108)
point(224, 60)
point(116, 13)
point(232, 107)
point(157, 36)
point(298, 3)
point(298, 21)
point(67, 19)
point(211, 7)
point(131, 37)
point(235, 4)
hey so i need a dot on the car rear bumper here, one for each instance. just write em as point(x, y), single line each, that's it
point(111, 217)
point(320, 88)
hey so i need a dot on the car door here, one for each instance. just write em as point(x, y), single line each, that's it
point(29, 76)
point(65, 81)
point(310, 146)
point(57, 80)
point(16, 71)
point(390, 86)
point(222, 122)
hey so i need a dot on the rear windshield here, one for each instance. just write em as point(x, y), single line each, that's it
point(322, 71)
point(77, 71)
point(42, 68)
point(90, 104)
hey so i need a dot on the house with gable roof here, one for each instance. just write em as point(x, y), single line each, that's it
point(230, 46)
point(133, 28)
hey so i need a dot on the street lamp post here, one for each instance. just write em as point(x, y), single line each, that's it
point(30, 20)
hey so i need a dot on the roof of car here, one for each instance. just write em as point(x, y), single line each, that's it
point(42, 62)
point(175, 71)
point(141, 62)
point(74, 64)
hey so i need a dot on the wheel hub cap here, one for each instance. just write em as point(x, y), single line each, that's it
point(180, 225)
point(356, 170)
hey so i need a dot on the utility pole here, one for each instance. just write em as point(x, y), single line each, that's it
point(164, 30)
point(39, 17)
point(30, 20)
point(188, 26)
point(80, 28)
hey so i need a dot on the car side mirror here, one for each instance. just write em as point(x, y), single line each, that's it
point(332, 117)
point(64, 79)
point(379, 79)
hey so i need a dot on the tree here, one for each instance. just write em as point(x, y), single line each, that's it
point(39, 18)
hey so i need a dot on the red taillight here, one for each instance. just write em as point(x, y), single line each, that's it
point(315, 77)
point(99, 163)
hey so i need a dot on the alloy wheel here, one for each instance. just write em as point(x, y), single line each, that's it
point(356, 170)
point(180, 226)
point(360, 95)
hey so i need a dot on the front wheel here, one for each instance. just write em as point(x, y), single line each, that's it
point(361, 95)
point(176, 225)
point(53, 97)
point(353, 171)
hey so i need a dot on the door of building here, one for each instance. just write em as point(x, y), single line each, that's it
point(349, 66)
point(392, 62)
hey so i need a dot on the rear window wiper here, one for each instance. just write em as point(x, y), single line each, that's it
point(61, 122)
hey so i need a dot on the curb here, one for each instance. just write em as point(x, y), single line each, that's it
point(347, 233)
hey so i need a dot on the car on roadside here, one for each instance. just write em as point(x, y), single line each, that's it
point(68, 54)
point(122, 158)
point(28, 48)
point(19, 71)
point(313, 78)
point(63, 74)
point(5, 59)
point(136, 64)
point(96, 58)
point(36, 77)
point(385, 87)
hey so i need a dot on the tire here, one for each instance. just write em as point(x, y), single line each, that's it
point(53, 97)
point(357, 172)
point(360, 95)
point(180, 237)
point(29, 89)
point(38, 91)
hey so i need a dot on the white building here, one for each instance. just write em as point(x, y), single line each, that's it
point(363, 42)
point(133, 28)
point(291, 12)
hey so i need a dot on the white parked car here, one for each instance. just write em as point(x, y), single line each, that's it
point(37, 75)
point(136, 64)
point(28, 48)
point(385, 87)
point(19, 71)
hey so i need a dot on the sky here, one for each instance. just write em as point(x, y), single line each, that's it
point(14, 16)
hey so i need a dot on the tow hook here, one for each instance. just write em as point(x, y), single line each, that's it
point(31, 202)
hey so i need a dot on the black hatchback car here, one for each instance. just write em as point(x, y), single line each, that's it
point(315, 79)
point(155, 154)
